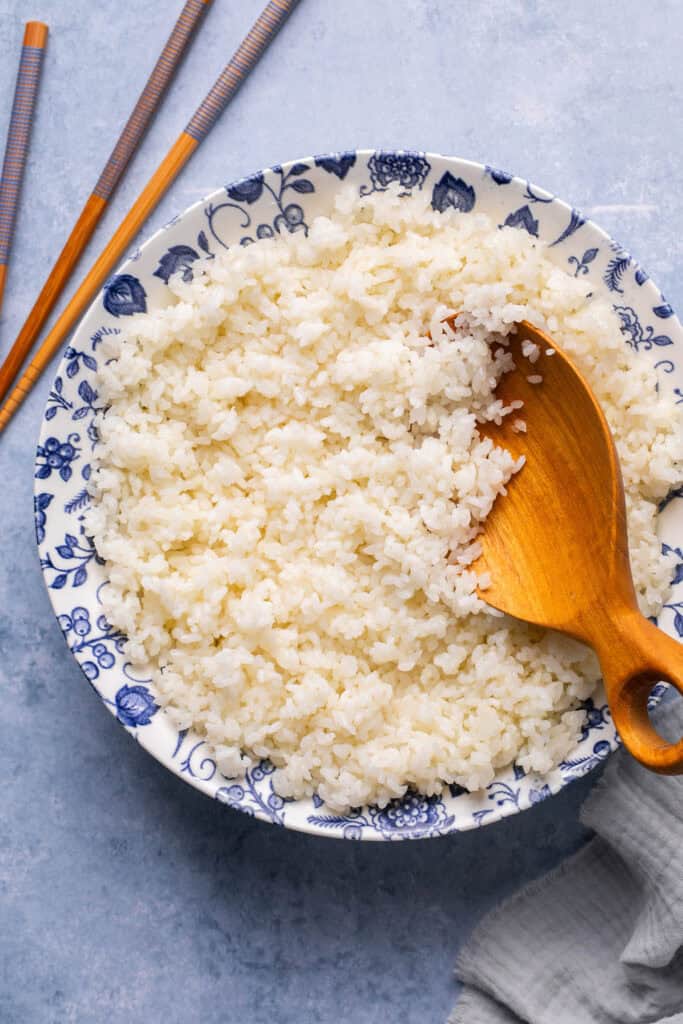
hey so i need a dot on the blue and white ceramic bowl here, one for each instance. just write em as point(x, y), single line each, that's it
point(285, 198)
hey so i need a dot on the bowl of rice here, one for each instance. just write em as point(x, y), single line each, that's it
point(260, 485)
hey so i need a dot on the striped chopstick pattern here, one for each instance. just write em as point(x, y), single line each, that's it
point(19, 133)
point(149, 98)
point(241, 63)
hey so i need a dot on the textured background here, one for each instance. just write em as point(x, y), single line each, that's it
point(125, 896)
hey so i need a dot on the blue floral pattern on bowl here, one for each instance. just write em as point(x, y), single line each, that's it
point(282, 199)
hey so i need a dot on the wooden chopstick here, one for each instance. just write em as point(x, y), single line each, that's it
point(231, 78)
point(128, 141)
point(18, 135)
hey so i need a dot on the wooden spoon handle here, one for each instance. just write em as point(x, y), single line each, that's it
point(635, 655)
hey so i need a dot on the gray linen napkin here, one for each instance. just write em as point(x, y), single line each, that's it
point(599, 940)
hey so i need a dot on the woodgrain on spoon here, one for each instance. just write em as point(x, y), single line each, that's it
point(556, 545)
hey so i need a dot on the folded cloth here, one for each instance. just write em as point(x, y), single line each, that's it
point(599, 940)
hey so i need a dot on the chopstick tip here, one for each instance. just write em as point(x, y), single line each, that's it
point(35, 33)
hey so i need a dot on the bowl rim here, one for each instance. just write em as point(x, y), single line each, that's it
point(553, 781)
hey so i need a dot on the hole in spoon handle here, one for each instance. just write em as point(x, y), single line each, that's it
point(639, 736)
point(642, 657)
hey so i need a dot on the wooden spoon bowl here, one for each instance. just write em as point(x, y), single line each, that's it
point(556, 545)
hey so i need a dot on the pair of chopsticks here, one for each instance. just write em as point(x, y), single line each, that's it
point(233, 75)
point(96, 204)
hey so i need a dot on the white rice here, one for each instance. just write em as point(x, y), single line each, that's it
point(530, 350)
point(290, 487)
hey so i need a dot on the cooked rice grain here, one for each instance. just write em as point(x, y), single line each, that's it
point(290, 483)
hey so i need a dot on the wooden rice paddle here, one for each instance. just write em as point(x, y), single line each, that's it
point(556, 544)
